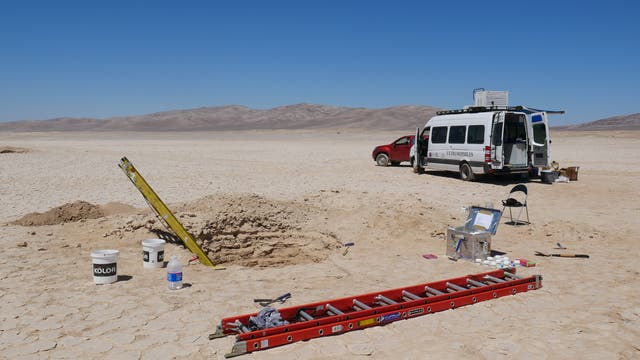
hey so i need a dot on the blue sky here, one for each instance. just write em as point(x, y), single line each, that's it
point(110, 58)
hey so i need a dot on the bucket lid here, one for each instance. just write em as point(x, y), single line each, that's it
point(153, 242)
point(104, 253)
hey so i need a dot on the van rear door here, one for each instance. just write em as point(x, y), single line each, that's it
point(539, 139)
point(496, 141)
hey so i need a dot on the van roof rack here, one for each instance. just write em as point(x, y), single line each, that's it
point(478, 109)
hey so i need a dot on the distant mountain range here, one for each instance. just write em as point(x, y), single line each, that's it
point(621, 122)
point(299, 116)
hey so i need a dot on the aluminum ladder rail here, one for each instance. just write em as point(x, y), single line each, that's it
point(163, 212)
point(337, 316)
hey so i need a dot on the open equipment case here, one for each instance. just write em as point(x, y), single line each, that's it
point(473, 240)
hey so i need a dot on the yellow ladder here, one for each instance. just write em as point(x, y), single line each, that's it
point(163, 211)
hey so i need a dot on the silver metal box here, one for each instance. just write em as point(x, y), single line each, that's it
point(473, 240)
point(462, 244)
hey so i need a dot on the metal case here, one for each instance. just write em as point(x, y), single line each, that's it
point(491, 98)
point(473, 240)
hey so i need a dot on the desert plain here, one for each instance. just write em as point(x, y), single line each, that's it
point(276, 208)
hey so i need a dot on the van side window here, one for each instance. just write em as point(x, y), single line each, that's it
point(476, 134)
point(497, 134)
point(439, 135)
point(456, 134)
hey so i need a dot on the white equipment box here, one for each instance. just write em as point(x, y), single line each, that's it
point(491, 98)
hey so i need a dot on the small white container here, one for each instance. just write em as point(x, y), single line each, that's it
point(105, 266)
point(153, 253)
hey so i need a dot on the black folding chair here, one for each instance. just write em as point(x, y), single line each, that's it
point(517, 199)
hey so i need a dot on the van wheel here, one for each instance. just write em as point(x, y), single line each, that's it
point(466, 173)
point(382, 159)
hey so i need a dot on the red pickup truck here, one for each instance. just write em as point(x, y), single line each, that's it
point(394, 153)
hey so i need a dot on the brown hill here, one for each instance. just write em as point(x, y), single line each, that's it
point(299, 116)
point(621, 122)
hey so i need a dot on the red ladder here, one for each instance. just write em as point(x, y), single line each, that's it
point(358, 312)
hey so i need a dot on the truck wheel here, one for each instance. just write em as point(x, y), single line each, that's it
point(382, 159)
point(466, 173)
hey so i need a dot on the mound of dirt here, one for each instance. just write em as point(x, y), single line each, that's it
point(70, 212)
point(251, 230)
point(247, 230)
point(12, 150)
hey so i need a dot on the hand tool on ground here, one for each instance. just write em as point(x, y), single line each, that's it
point(266, 302)
point(584, 256)
point(337, 316)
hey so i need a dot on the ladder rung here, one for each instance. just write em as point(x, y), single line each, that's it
point(332, 309)
point(455, 287)
point(432, 291)
point(510, 275)
point(493, 278)
point(360, 304)
point(475, 283)
point(385, 300)
point(409, 295)
point(306, 316)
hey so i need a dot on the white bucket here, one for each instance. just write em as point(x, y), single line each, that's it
point(105, 266)
point(153, 253)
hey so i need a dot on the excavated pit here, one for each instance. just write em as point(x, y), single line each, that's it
point(251, 230)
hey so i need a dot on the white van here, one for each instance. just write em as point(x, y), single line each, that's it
point(482, 140)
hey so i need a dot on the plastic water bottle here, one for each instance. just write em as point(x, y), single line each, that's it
point(174, 273)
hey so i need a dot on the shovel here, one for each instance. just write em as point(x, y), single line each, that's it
point(585, 256)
